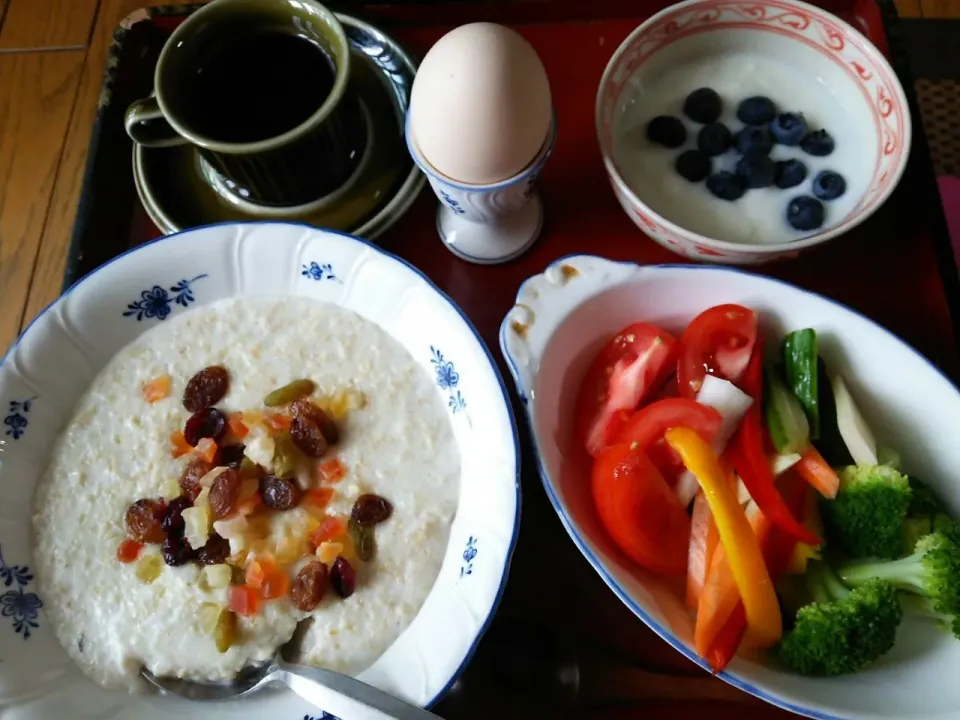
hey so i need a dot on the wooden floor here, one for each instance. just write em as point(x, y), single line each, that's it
point(51, 66)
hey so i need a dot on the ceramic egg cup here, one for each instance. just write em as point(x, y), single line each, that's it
point(488, 224)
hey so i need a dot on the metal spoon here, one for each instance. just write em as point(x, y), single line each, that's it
point(339, 695)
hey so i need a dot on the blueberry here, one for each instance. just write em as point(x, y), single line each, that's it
point(788, 128)
point(757, 110)
point(693, 165)
point(829, 185)
point(754, 140)
point(703, 106)
point(726, 186)
point(757, 170)
point(789, 173)
point(666, 130)
point(817, 143)
point(714, 139)
point(805, 213)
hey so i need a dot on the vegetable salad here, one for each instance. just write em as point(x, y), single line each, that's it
point(741, 463)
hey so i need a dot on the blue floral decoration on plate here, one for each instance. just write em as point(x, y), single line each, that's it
point(469, 553)
point(321, 716)
point(318, 271)
point(157, 302)
point(22, 607)
point(16, 420)
point(447, 379)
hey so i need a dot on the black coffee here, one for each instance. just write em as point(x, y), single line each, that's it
point(255, 86)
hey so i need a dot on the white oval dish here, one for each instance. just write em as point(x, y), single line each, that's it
point(54, 361)
point(561, 319)
point(785, 36)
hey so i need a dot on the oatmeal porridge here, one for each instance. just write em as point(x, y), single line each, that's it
point(234, 471)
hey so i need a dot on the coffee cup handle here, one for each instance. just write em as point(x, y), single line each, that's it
point(147, 126)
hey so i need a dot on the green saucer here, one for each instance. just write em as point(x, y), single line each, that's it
point(178, 192)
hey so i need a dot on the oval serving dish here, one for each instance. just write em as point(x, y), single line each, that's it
point(53, 363)
point(561, 319)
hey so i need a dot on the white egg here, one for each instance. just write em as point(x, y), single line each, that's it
point(480, 107)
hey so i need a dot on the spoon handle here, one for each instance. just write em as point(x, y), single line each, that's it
point(346, 697)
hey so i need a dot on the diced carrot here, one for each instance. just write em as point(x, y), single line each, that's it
point(331, 528)
point(331, 471)
point(178, 444)
point(327, 552)
point(703, 543)
point(237, 428)
point(128, 550)
point(275, 584)
point(247, 505)
point(244, 600)
point(157, 389)
point(206, 450)
point(817, 471)
point(278, 422)
point(255, 574)
point(314, 501)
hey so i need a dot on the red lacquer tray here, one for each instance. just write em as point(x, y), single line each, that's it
point(556, 614)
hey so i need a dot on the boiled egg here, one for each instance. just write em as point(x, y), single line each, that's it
point(480, 108)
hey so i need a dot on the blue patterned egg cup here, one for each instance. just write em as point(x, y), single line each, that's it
point(488, 224)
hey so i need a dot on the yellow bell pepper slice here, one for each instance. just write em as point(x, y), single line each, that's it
point(764, 624)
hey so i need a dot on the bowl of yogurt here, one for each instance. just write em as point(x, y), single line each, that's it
point(222, 443)
point(743, 134)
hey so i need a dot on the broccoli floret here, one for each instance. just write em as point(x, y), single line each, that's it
point(933, 571)
point(924, 502)
point(922, 607)
point(842, 631)
point(865, 520)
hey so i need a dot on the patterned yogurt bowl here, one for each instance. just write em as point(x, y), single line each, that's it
point(57, 357)
point(783, 33)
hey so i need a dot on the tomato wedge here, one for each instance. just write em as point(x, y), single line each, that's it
point(635, 363)
point(647, 426)
point(639, 510)
point(718, 341)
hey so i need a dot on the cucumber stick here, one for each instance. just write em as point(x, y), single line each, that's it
point(800, 369)
point(786, 420)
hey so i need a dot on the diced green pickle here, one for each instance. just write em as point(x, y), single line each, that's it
point(290, 392)
point(225, 633)
point(149, 568)
point(363, 540)
point(285, 455)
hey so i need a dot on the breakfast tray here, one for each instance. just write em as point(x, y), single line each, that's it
point(897, 267)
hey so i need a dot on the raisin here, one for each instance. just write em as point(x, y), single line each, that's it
point(205, 423)
point(190, 480)
point(370, 509)
point(309, 586)
point(206, 388)
point(225, 631)
point(279, 493)
point(173, 519)
point(176, 550)
point(313, 431)
point(343, 578)
point(286, 455)
point(232, 455)
point(290, 392)
point(144, 520)
point(363, 540)
point(216, 551)
point(225, 492)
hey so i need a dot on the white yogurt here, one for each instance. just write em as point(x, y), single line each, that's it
point(116, 450)
point(807, 84)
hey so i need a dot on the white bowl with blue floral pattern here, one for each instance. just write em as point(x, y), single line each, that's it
point(52, 364)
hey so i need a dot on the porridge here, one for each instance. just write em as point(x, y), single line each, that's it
point(236, 470)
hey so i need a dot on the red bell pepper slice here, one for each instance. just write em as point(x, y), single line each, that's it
point(749, 458)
